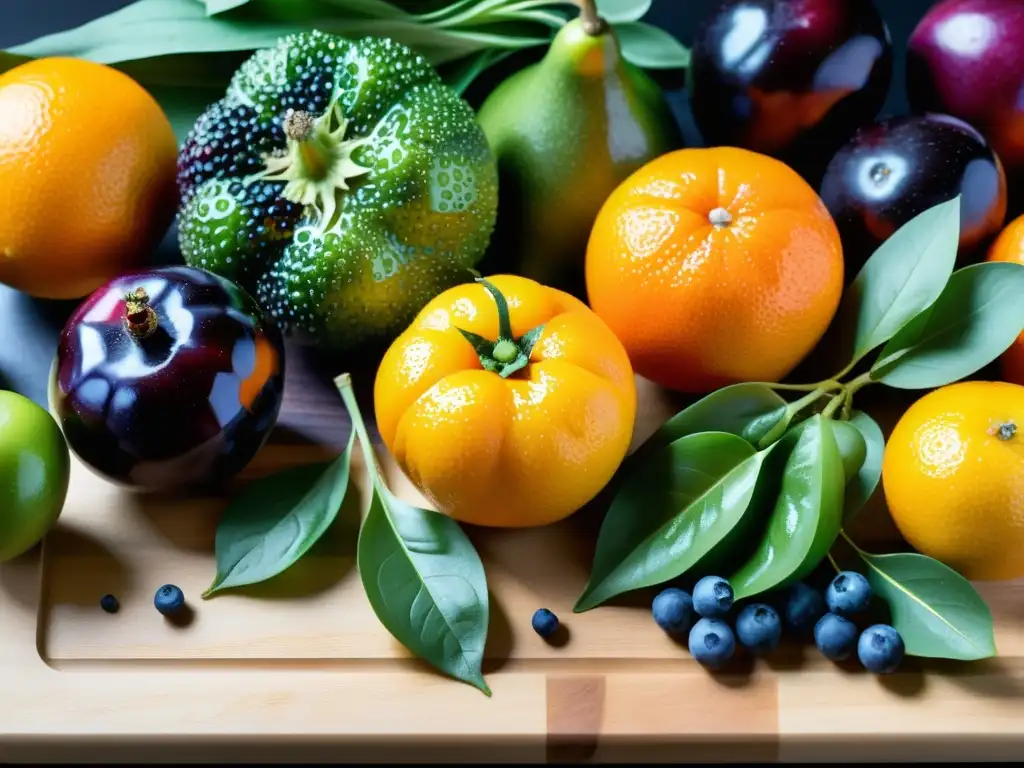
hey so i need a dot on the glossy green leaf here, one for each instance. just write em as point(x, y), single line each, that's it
point(650, 47)
point(421, 574)
point(275, 520)
point(746, 410)
point(677, 507)
point(425, 582)
point(861, 486)
point(616, 11)
point(462, 74)
point(213, 7)
point(936, 610)
point(975, 319)
point(852, 448)
point(901, 279)
point(807, 516)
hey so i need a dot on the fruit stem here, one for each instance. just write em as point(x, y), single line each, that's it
point(139, 317)
point(828, 385)
point(317, 164)
point(833, 405)
point(592, 22)
point(1007, 431)
point(508, 354)
point(343, 383)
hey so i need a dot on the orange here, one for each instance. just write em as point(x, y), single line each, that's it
point(1009, 246)
point(497, 447)
point(87, 176)
point(953, 474)
point(715, 266)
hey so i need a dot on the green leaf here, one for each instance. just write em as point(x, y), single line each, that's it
point(651, 47)
point(975, 319)
point(275, 520)
point(852, 448)
point(676, 508)
point(213, 7)
point(426, 584)
point(461, 75)
point(746, 410)
point(421, 574)
point(183, 106)
point(807, 516)
point(861, 486)
point(935, 609)
point(903, 277)
point(618, 11)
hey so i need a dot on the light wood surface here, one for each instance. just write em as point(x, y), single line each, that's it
point(300, 668)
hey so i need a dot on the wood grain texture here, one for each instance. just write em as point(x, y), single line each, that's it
point(300, 669)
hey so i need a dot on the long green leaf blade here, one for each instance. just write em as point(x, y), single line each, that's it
point(275, 520)
point(807, 516)
point(426, 584)
point(671, 513)
point(936, 610)
point(901, 279)
point(975, 319)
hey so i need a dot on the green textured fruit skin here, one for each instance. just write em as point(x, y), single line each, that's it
point(567, 131)
point(35, 468)
point(413, 226)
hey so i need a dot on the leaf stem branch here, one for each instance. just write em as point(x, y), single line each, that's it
point(344, 385)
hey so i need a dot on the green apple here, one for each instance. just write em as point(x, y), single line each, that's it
point(35, 468)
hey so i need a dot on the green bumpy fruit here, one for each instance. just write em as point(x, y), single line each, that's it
point(341, 183)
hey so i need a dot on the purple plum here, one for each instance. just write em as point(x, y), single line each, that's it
point(966, 58)
point(895, 169)
point(790, 78)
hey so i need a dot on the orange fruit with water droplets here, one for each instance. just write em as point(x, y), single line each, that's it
point(715, 266)
point(953, 473)
point(1009, 246)
point(87, 176)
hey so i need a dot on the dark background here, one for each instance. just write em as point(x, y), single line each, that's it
point(29, 328)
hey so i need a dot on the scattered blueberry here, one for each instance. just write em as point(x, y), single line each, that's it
point(712, 643)
point(545, 623)
point(110, 604)
point(804, 606)
point(880, 649)
point(712, 597)
point(759, 628)
point(673, 611)
point(848, 594)
point(169, 599)
point(835, 636)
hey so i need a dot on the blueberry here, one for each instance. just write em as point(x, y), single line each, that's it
point(169, 599)
point(712, 643)
point(673, 611)
point(848, 594)
point(804, 606)
point(545, 623)
point(835, 636)
point(880, 649)
point(759, 628)
point(110, 604)
point(712, 597)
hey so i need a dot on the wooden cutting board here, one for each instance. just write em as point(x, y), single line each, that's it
point(300, 668)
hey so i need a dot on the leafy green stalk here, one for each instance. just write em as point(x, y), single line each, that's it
point(421, 574)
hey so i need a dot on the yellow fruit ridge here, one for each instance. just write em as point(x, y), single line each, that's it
point(953, 475)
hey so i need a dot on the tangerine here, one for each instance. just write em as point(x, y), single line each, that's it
point(1009, 246)
point(87, 176)
point(715, 266)
point(953, 474)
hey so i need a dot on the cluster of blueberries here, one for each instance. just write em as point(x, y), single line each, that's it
point(168, 600)
point(758, 626)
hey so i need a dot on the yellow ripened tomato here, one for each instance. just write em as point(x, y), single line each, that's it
point(506, 402)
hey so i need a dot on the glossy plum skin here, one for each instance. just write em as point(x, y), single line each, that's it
point(966, 58)
point(789, 78)
point(895, 169)
point(187, 406)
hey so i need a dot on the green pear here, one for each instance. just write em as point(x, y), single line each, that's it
point(566, 132)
